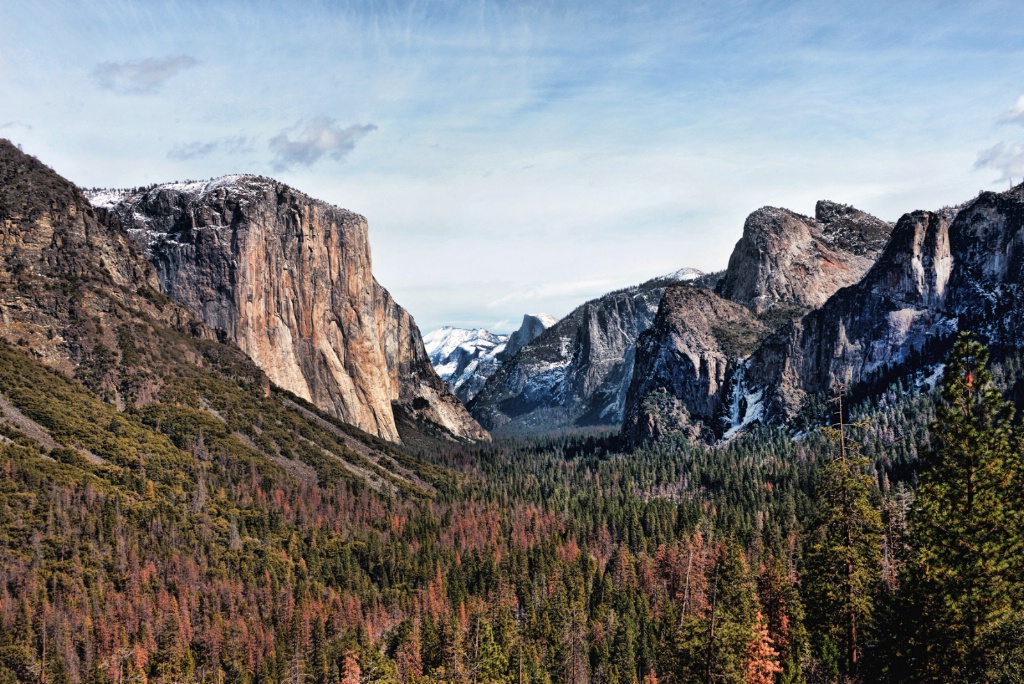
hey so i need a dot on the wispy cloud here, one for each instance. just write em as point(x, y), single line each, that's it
point(141, 77)
point(200, 149)
point(573, 288)
point(1015, 114)
point(319, 137)
point(13, 125)
point(1009, 159)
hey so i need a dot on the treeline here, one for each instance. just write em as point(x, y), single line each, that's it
point(885, 548)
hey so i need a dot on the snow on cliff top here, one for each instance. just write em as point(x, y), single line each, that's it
point(546, 319)
point(684, 274)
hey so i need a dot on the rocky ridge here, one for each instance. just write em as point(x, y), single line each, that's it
point(576, 372)
point(71, 285)
point(690, 367)
point(288, 279)
point(684, 364)
point(958, 269)
point(464, 358)
point(529, 330)
point(785, 258)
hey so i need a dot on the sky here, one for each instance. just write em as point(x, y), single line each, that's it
point(520, 157)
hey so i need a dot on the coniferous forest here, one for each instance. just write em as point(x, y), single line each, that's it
point(877, 541)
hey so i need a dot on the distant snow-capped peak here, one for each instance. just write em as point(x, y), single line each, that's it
point(685, 274)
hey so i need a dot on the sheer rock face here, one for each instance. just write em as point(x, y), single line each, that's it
point(868, 327)
point(288, 279)
point(939, 274)
point(532, 327)
point(684, 363)
point(576, 372)
point(786, 258)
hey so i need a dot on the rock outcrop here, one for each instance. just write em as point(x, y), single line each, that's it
point(576, 372)
point(785, 258)
point(70, 284)
point(684, 364)
point(530, 329)
point(288, 279)
point(940, 273)
point(692, 372)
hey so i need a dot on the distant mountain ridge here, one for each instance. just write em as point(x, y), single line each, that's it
point(464, 358)
point(576, 372)
point(467, 358)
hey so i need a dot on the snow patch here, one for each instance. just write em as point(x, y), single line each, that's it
point(683, 275)
point(746, 405)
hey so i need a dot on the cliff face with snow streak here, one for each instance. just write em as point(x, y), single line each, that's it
point(288, 279)
point(684, 364)
point(691, 371)
point(942, 272)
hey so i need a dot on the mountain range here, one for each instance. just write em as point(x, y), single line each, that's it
point(806, 303)
point(225, 455)
point(465, 359)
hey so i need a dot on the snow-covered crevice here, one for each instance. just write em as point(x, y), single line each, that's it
point(746, 404)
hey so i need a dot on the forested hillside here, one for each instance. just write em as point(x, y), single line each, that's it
point(163, 544)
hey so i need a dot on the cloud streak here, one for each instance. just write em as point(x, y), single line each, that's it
point(319, 137)
point(200, 149)
point(1015, 114)
point(1009, 159)
point(566, 289)
point(140, 77)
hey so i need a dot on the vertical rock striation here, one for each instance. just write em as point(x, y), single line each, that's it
point(864, 329)
point(941, 272)
point(288, 279)
point(684, 363)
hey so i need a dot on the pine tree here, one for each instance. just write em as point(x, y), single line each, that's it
point(844, 555)
point(968, 518)
point(762, 658)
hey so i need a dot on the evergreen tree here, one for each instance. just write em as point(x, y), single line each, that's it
point(844, 555)
point(968, 520)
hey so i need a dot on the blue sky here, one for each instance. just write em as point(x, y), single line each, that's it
point(517, 157)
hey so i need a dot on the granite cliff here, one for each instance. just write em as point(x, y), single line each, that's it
point(690, 367)
point(288, 279)
point(956, 269)
point(785, 258)
point(684, 363)
point(529, 330)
